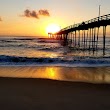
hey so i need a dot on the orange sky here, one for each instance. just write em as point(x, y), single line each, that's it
point(64, 13)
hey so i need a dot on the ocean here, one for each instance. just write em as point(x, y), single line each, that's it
point(34, 51)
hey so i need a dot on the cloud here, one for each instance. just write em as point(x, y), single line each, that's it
point(44, 12)
point(0, 19)
point(31, 14)
point(35, 14)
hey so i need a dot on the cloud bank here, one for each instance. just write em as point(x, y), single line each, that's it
point(35, 14)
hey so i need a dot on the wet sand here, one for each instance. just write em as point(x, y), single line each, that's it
point(89, 74)
point(44, 94)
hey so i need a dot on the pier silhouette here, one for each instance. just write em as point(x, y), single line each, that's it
point(85, 35)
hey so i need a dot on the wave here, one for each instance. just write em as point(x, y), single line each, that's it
point(15, 40)
point(75, 62)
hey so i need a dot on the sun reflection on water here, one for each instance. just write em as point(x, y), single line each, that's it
point(52, 72)
point(93, 75)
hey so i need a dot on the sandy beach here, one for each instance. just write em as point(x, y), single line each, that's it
point(44, 94)
point(42, 91)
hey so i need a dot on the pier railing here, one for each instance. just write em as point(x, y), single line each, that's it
point(97, 19)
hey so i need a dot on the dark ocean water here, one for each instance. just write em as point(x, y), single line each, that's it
point(44, 52)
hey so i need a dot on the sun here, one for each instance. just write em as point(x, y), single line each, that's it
point(53, 28)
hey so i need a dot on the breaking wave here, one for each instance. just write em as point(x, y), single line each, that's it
point(75, 62)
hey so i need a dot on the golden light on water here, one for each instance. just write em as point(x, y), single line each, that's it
point(52, 72)
point(53, 28)
point(93, 75)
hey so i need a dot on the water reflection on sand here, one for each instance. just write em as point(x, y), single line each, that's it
point(90, 74)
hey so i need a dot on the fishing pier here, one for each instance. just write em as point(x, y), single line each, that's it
point(85, 35)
